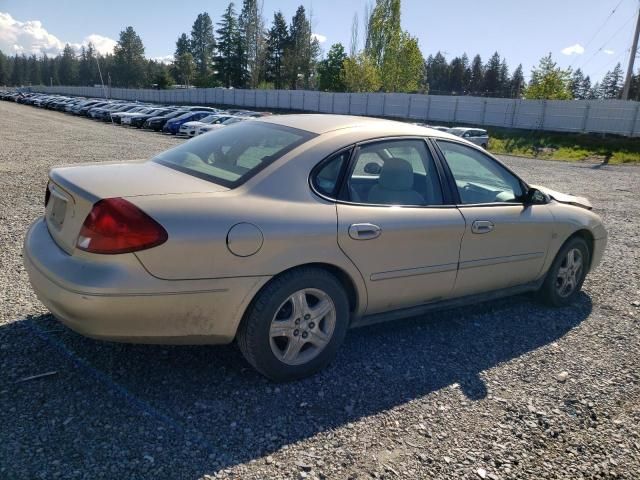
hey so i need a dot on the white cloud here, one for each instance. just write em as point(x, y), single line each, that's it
point(166, 59)
point(31, 37)
point(321, 38)
point(608, 51)
point(576, 49)
point(103, 44)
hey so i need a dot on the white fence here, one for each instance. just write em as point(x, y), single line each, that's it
point(594, 116)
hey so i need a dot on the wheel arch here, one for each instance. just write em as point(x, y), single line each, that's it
point(341, 275)
point(587, 236)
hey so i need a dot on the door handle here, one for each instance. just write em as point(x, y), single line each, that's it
point(364, 231)
point(482, 226)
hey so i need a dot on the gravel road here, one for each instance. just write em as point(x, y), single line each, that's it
point(503, 390)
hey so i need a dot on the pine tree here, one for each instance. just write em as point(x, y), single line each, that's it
point(456, 76)
point(202, 46)
point(575, 84)
point(277, 42)
point(251, 28)
point(5, 69)
point(491, 80)
point(301, 49)
point(517, 82)
point(585, 88)
point(229, 61)
point(68, 66)
point(504, 81)
point(88, 67)
point(476, 82)
point(466, 83)
point(183, 45)
point(129, 59)
point(612, 83)
point(34, 71)
point(438, 74)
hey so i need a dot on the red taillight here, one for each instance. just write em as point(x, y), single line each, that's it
point(47, 195)
point(115, 225)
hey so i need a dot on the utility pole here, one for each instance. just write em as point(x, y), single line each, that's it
point(632, 57)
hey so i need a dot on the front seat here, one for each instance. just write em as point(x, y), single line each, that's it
point(395, 185)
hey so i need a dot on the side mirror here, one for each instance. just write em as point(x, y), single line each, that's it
point(372, 168)
point(535, 197)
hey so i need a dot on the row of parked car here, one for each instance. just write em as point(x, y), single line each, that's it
point(183, 120)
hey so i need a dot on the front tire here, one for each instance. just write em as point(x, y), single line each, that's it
point(295, 325)
point(567, 273)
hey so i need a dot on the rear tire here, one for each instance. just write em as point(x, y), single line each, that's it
point(295, 325)
point(566, 274)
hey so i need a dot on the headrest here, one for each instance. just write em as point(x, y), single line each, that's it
point(397, 174)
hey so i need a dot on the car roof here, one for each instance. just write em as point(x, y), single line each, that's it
point(325, 123)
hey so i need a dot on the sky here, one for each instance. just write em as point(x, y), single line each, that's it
point(579, 33)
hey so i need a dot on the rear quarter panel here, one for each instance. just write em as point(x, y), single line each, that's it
point(297, 226)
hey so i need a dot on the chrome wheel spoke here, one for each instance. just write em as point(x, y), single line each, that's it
point(292, 349)
point(321, 310)
point(318, 338)
point(563, 272)
point(299, 302)
point(281, 328)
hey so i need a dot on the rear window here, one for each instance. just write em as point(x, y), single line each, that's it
point(231, 155)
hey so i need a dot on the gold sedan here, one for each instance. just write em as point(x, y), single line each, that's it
point(283, 232)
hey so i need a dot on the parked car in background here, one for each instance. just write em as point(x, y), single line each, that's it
point(173, 125)
point(156, 123)
point(154, 110)
point(225, 123)
point(116, 117)
point(475, 135)
point(104, 114)
point(190, 128)
point(283, 232)
point(138, 119)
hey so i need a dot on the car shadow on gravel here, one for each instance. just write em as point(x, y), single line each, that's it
point(181, 412)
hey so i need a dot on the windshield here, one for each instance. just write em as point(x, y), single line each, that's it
point(230, 156)
point(209, 118)
point(456, 131)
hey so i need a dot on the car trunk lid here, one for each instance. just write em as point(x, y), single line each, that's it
point(74, 191)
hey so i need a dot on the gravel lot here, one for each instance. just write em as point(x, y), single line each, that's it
point(469, 393)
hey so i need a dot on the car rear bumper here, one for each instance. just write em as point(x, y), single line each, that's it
point(112, 297)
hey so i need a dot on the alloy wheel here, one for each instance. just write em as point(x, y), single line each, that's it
point(302, 326)
point(569, 273)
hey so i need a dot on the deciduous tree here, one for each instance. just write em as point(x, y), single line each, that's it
point(330, 70)
point(548, 81)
